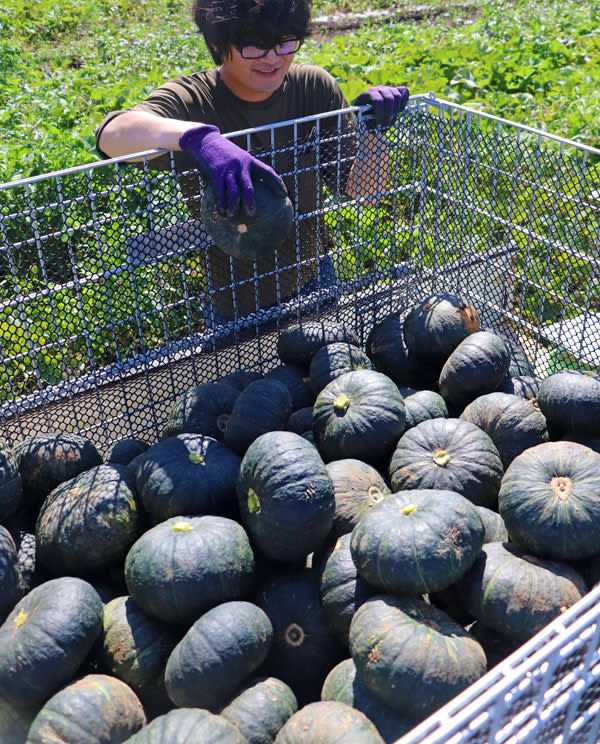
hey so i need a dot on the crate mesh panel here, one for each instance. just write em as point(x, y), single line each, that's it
point(114, 300)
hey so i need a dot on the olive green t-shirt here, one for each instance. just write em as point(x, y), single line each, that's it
point(306, 155)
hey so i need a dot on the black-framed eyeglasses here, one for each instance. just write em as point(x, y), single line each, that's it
point(289, 46)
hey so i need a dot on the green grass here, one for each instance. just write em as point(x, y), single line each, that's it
point(65, 63)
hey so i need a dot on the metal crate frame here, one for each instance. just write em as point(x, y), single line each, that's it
point(507, 215)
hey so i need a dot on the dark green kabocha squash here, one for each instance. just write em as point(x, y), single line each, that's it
point(285, 496)
point(386, 348)
point(97, 709)
point(241, 378)
point(328, 722)
point(11, 487)
point(515, 593)
point(217, 654)
point(135, 647)
point(495, 529)
point(296, 381)
point(46, 460)
point(521, 385)
point(570, 401)
point(393, 641)
point(260, 708)
point(550, 501)
point(477, 366)
point(357, 488)
point(422, 405)
point(248, 236)
point(512, 423)
point(10, 589)
point(265, 405)
point(304, 645)
point(185, 565)
point(124, 451)
point(45, 639)
point(203, 409)
point(15, 722)
point(435, 326)
point(342, 589)
point(300, 421)
point(496, 646)
point(334, 360)
point(417, 542)
point(592, 442)
point(297, 344)
point(520, 365)
point(358, 415)
point(449, 454)
point(188, 726)
point(88, 523)
point(187, 474)
point(343, 685)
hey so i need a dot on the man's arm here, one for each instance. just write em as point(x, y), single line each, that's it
point(136, 131)
point(369, 173)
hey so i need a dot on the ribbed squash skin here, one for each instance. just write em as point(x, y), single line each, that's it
point(186, 565)
point(477, 366)
point(297, 344)
point(262, 406)
point(285, 496)
point(248, 236)
point(358, 415)
point(11, 487)
point(343, 685)
point(203, 409)
point(423, 405)
point(357, 488)
point(9, 573)
point(135, 648)
point(417, 542)
point(515, 593)
point(304, 645)
point(46, 460)
point(449, 454)
point(124, 451)
point(187, 474)
point(97, 709)
point(570, 401)
point(386, 348)
point(222, 648)
point(522, 385)
point(342, 589)
point(88, 523)
point(495, 529)
point(260, 709)
point(300, 421)
point(296, 381)
point(512, 423)
point(46, 637)
point(435, 326)
point(334, 360)
point(550, 501)
point(328, 722)
point(519, 361)
point(392, 642)
point(188, 726)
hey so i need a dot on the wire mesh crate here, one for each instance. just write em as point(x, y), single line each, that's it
point(114, 299)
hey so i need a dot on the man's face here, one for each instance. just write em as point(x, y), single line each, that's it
point(255, 79)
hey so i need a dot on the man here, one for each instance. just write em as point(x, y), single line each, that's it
point(253, 42)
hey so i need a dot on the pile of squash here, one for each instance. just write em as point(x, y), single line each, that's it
point(327, 552)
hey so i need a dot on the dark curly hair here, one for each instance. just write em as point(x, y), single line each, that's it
point(262, 23)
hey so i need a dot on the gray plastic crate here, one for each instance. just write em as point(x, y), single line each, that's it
point(105, 293)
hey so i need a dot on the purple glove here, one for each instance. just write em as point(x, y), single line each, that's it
point(386, 103)
point(229, 168)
